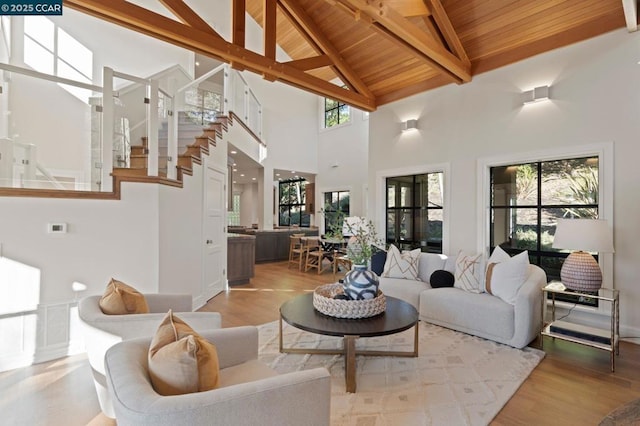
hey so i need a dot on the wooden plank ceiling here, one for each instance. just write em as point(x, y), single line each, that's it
point(368, 53)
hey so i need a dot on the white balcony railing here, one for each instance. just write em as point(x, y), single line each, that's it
point(75, 141)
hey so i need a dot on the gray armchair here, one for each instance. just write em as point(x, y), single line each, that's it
point(102, 331)
point(249, 393)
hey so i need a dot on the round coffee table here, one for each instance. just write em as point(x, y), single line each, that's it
point(399, 316)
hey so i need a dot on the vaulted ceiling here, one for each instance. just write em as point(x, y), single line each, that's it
point(367, 53)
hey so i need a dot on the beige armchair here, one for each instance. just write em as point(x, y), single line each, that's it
point(103, 331)
point(249, 393)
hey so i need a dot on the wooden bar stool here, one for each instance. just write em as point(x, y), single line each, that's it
point(296, 250)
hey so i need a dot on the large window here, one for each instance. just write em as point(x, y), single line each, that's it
point(528, 199)
point(292, 210)
point(335, 113)
point(336, 205)
point(414, 211)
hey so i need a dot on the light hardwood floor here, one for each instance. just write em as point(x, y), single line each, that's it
point(572, 385)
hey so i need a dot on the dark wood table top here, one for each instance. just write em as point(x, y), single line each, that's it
point(300, 313)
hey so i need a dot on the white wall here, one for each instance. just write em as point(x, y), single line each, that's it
point(343, 162)
point(595, 99)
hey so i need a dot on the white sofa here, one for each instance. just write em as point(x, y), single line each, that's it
point(482, 314)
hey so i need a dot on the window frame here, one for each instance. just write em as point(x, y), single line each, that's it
point(329, 211)
point(604, 152)
point(339, 104)
point(381, 192)
point(290, 205)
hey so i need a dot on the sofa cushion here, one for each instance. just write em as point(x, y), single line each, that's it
point(402, 265)
point(407, 290)
point(505, 275)
point(431, 262)
point(482, 314)
point(469, 272)
point(180, 360)
point(121, 299)
point(442, 278)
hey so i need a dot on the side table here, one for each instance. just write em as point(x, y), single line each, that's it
point(607, 340)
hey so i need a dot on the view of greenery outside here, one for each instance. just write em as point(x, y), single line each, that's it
point(336, 206)
point(528, 199)
point(202, 106)
point(291, 208)
point(414, 212)
point(335, 113)
point(233, 216)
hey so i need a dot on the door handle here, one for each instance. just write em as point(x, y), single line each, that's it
point(209, 242)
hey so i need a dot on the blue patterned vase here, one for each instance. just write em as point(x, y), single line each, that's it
point(361, 283)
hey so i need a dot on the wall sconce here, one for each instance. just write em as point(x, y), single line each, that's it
point(535, 95)
point(409, 125)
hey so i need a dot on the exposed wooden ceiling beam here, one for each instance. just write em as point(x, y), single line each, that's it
point(238, 21)
point(398, 26)
point(188, 16)
point(308, 26)
point(311, 63)
point(630, 8)
point(447, 30)
point(155, 25)
point(269, 28)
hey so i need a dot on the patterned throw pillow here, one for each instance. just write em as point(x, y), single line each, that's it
point(122, 299)
point(180, 360)
point(469, 272)
point(402, 265)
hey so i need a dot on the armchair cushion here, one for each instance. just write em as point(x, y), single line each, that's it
point(120, 299)
point(180, 360)
point(250, 393)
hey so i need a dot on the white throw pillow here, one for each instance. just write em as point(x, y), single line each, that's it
point(402, 265)
point(505, 275)
point(469, 272)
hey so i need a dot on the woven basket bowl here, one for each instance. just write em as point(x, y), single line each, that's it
point(324, 302)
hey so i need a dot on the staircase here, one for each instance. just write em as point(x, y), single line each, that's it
point(194, 141)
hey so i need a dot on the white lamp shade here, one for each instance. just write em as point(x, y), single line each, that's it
point(591, 235)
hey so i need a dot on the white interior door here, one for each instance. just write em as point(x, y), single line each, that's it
point(213, 232)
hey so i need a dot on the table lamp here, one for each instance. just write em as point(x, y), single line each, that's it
point(580, 271)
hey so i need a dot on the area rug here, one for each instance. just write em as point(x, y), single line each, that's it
point(456, 380)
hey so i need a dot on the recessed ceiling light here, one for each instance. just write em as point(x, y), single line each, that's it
point(235, 170)
point(293, 172)
point(277, 174)
point(241, 174)
point(234, 152)
point(197, 64)
point(234, 181)
point(253, 178)
point(296, 176)
point(235, 164)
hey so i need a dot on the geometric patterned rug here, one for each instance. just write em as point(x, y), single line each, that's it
point(457, 379)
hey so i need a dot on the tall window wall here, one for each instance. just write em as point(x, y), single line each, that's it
point(292, 198)
point(415, 211)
